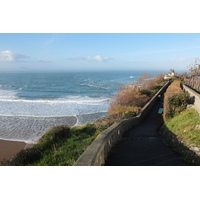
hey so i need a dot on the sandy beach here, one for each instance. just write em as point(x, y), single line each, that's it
point(8, 149)
point(30, 129)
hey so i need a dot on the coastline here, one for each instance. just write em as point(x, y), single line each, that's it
point(9, 148)
point(11, 144)
point(30, 129)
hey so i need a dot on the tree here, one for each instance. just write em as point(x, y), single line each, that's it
point(195, 68)
point(144, 80)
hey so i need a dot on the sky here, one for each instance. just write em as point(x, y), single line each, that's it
point(101, 35)
point(98, 51)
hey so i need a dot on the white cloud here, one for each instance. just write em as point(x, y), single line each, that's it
point(10, 56)
point(93, 59)
point(98, 58)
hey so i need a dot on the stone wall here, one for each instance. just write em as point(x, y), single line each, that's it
point(194, 96)
point(188, 152)
point(99, 149)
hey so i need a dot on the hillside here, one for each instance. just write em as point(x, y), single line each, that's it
point(182, 132)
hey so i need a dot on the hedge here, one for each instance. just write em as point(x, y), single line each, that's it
point(175, 100)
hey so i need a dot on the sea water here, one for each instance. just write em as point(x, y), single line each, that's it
point(33, 102)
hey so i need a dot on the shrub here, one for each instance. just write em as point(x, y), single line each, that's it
point(178, 102)
point(146, 92)
point(26, 156)
point(175, 101)
point(55, 133)
point(147, 83)
point(123, 110)
point(129, 96)
point(105, 122)
point(33, 154)
point(157, 88)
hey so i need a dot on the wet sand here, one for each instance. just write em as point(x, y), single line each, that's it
point(30, 129)
point(8, 149)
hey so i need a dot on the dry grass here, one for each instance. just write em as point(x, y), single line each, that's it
point(133, 97)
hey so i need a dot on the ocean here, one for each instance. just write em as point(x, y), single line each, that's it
point(33, 102)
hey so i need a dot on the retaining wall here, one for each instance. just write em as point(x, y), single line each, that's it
point(194, 95)
point(99, 149)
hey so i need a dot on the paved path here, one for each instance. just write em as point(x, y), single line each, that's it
point(141, 146)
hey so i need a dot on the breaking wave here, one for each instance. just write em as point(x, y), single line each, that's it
point(27, 120)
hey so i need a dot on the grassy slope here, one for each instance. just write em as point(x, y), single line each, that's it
point(66, 151)
point(60, 146)
point(183, 125)
point(63, 151)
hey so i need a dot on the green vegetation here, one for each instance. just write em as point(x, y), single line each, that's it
point(58, 146)
point(184, 126)
point(175, 100)
point(131, 98)
point(178, 103)
point(181, 130)
point(62, 145)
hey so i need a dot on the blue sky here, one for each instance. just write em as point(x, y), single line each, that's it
point(98, 51)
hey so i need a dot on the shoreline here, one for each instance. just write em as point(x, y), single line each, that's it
point(30, 129)
point(9, 149)
point(11, 145)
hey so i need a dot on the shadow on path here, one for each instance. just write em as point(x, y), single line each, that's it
point(141, 146)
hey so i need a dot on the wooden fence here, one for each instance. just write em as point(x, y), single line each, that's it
point(193, 82)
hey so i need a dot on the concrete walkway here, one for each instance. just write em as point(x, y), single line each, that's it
point(141, 146)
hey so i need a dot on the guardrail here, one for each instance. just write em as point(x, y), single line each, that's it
point(194, 95)
point(99, 149)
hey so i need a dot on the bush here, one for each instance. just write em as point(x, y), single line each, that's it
point(146, 92)
point(134, 96)
point(107, 121)
point(26, 156)
point(157, 88)
point(55, 133)
point(123, 110)
point(129, 96)
point(175, 101)
point(33, 154)
point(178, 102)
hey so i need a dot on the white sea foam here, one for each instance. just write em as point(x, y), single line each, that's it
point(58, 107)
point(94, 86)
point(29, 129)
point(30, 103)
point(27, 120)
point(8, 94)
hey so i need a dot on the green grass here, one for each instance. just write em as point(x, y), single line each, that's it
point(60, 146)
point(183, 125)
point(66, 151)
